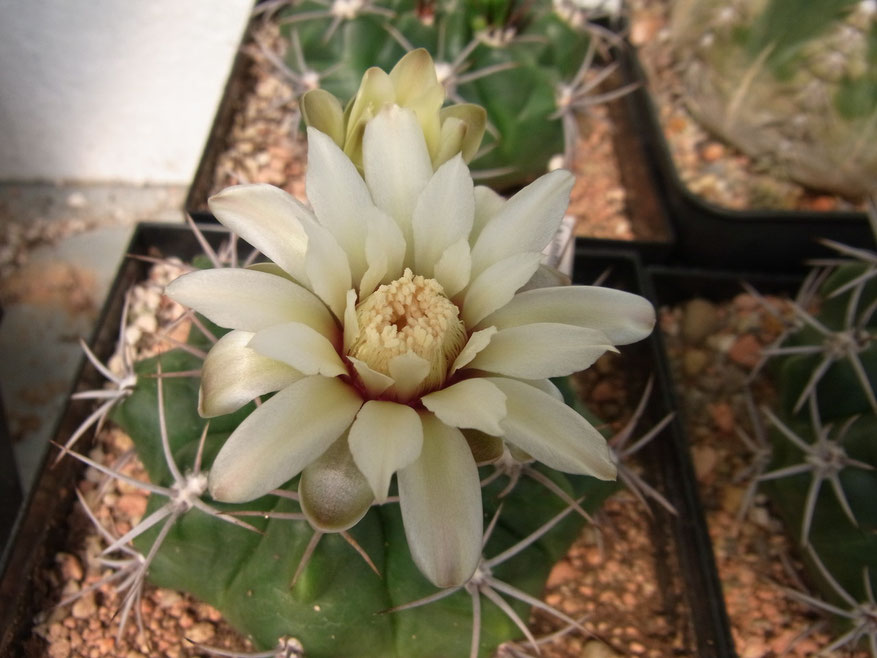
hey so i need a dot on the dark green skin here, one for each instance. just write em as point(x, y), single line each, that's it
point(846, 549)
point(519, 102)
point(336, 607)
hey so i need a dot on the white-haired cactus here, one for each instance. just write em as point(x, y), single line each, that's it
point(791, 83)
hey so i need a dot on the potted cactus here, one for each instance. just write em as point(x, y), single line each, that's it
point(797, 96)
point(679, 539)
point(531, 65)
point(794, 456)
point(340, 398)
point(823, 474)
point(536, 67)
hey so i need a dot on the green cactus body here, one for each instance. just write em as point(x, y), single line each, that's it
point(792, 84)
point(335, 606)
point(839, 392)
point(824, 487)
point(525, 50)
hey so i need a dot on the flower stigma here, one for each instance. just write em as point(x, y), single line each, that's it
point(409, 315)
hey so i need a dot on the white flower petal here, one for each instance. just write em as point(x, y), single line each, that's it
point(333, 494)
point(408, 371)
point(396, 165)
point(542, 349)
point(339, 197)
point(526, 222)
point(546, 277)
point(298, 345)
point(546, 386)
point(384, 251)
point(375, 382)
point(327, 268)
point(275, 442)
point(443, 214)
point(624, 317)
point(453, 267)
point(477, 342)
point(472, 403)
point(233, 374)
point(250, 300)
point(440, 497)
point(269, 219)
point(351, 323)
point(495, 286)
point(385, 437)
point(553, 433)
point(487, 205)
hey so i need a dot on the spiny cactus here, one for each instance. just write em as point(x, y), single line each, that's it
point(343, 395)
point(531, 65)
point(273, 577)
point(823, 474)
point(271, 582)
point(792, 84)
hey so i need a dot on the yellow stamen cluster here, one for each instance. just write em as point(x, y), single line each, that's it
point(409, 315)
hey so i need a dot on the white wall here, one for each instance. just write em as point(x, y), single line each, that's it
point(112, 90)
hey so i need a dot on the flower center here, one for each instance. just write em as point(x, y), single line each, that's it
point(409, 315)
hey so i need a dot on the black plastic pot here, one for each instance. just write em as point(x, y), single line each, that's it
point(682, 541)
point(673, 286)
point(684, 559)
point(714, 237)
point(10, 485)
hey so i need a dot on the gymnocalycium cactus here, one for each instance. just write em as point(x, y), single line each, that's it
point(823, 476)
point(790, 83)
point(531, 65)
point(339, 399)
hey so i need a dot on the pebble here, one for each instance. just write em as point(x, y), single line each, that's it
point(732, 497)
point(694, 360)
point(823, 203)
point(704, 459)
point(562, 572)
point(746, 351)
point(712, 151)
point(722, 416)
point(201, 632)
point(71, 568)
point(699, 319)
point(133, 505)
point(84, 607)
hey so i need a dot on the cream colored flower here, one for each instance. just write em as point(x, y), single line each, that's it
point(412, 84)
point(391, 328)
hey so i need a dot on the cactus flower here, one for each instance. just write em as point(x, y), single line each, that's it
point(391, 328)
point(412, 83)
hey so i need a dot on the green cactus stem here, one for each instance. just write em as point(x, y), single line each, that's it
point(519, 60)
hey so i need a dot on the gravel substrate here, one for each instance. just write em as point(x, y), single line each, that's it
point(713, 348)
